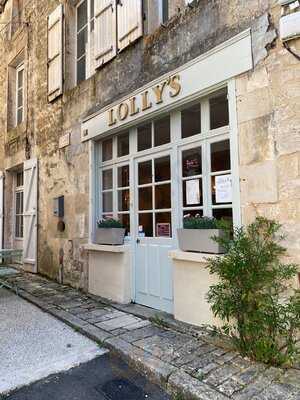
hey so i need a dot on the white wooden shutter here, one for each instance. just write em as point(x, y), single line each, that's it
point(30, 214)
point(55, 53)
point(130, 22)
point(1, 208)
point(105, 31)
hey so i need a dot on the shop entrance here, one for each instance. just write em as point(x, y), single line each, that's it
point(154, 236)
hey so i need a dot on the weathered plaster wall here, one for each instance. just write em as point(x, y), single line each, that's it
point(267, 114)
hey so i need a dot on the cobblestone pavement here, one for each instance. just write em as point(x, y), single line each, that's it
point(179, 362)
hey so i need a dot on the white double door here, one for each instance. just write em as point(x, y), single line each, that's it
point(155, 230)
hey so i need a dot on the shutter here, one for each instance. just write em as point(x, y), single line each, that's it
point(130, 22)
point(1, 208)
point(55, 53)
point(105, 31)
point(30, 215)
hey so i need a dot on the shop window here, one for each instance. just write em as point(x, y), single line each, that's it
point(123, 176)
point(162, 132)
point(144, 138)
point(162, 169)
point(19, 204)
point(145, 172)
point(163, 224)
point(191, 121)
point(219, 114)
point(123, 144)
point(223, 213)
point(146, 224)
point(163, 196)
point(192, 162)
point(107, 192)
point(107, 150)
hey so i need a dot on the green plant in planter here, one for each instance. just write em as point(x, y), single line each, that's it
point(198, 222)
point(251, 296)
point(109, 223)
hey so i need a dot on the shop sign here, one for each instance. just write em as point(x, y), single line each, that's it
point(144, 101)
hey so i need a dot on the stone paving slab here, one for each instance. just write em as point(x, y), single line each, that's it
point(179, 360)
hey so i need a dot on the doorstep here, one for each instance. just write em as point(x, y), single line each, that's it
point(179, 361)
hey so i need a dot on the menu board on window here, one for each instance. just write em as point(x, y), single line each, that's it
point(224, 189)
point(192, 192)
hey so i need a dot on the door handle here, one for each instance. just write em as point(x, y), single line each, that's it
point(138, 241)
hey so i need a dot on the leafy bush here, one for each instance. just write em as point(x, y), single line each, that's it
point(109, 223)
point(198, 222)
point(254, 297)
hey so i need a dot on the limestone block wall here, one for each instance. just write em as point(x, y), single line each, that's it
point(268, 103)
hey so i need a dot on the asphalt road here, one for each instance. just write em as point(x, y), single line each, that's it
point(104, 378)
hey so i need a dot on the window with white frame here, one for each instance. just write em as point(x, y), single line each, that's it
point(188, 149)
point(84, 28)
point(19, 94)
point(115, 179)
point(19, 204)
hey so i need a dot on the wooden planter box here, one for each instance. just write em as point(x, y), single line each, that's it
point(112, 236)
point(199, 240)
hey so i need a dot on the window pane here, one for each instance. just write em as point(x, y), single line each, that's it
point(192, 193)
point(20, 78)
point(223, 213)
point(82, 15)
point(107, 179)
point(107, 148)
point(81, 43)
point(165, 10)
point(163, 196)
point(146, 224)
point(81, 70)
point(145, 172)
point(19, 208)
point(107, 199)
point(145, 198)
point(125, 221)
point(20, 116)
point(20, 97)
point(123, 144)
point(123, 176)
point(219, 115)
point(20, 178)
point(92, 8)
point(192, 162)
point(163, 226)
point(162, 131)
point(190, 121)
point(162, 169)
point(220, 156)
point(144, 137)
point(123, 200)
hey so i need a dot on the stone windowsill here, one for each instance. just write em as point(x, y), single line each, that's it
point(105, 248)
point(200, 258)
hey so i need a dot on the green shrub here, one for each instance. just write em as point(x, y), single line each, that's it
point(109, 223)
point(252, 298)
point(197, 222)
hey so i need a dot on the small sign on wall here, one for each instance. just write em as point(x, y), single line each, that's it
point(224, 189)
point(64, 140)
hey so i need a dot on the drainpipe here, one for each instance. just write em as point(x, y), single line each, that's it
point(61, 266)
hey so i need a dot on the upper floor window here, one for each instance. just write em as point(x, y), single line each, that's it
point(19, 94)
point(84, 27)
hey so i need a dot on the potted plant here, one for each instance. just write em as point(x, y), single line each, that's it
point(110, 231)
point(197, 235)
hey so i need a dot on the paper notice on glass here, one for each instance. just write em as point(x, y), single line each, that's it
point(224, 189)
point(192, 192)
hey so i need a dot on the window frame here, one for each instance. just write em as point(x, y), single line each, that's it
point(88, 26)
point(18, 189)
point(176, 145)
point(19, 68)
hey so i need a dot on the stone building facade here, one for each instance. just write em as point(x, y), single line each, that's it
point(55, 135)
